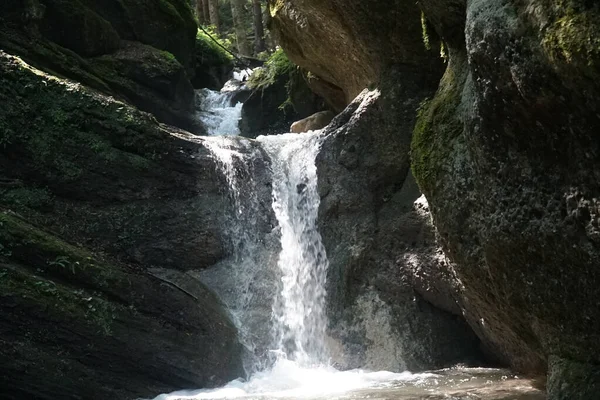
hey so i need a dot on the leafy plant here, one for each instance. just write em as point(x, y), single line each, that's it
point(64, 262)
point(277, 65)
point(211, 49)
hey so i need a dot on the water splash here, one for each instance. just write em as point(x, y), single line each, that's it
point(244, 281)
point(299, 310)
point(289, 381)
point(217, 114)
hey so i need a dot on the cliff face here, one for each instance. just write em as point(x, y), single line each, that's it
point(506, 153)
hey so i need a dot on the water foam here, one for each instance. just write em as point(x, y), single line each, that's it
point(299, 310)
point(216, 112)
point(288, 380)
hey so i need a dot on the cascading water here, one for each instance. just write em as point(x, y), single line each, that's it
point(242, 282)
point(292, 288)
point(217, 113)
point(299, 316)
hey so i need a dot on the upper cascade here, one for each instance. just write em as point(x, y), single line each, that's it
point(217, 112)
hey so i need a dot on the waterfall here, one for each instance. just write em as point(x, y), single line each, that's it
point(299, 313)
point(217, 113)
point(244, 281)
point(293, 287)
point(297, 292)
point(274, 282)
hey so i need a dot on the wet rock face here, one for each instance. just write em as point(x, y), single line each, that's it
point(391, 294)
point(507, 155)
point(103, 211)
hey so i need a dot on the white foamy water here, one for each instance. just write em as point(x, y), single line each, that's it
point(299, 310)
point(216, 112)
point(244, 281)
point(286, 380)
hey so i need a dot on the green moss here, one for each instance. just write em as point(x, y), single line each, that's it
point(47, 120)
point(56, 301)
point(53, 261)
point(168, 56)
point(168, 8)
point(438, 123)
point(573, 36)
point(276, 66)
point(275, 6)
point(209, 52)
point(36, 198)
point(47, 253)
point(425, 31)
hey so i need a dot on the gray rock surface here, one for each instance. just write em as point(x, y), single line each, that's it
point(390, 300)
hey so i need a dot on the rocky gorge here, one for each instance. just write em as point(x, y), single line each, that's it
point(456, 194)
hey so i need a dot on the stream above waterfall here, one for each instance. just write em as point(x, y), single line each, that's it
point(291, 357)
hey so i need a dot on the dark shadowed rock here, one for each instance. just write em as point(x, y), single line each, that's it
point(507, 155)
point(273, 106)
point(137, 51)
point(102, 211)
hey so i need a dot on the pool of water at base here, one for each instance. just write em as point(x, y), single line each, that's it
point(288, 381)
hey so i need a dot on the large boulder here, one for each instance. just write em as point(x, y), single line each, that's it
point(167, 24)
point(391, 294)
point(348, 44)
point(103, 211)
point(507, 153)
point(137, 51)
point(151, 79)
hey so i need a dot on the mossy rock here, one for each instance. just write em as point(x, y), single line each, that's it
point(165, 24)
point(280, 96)
point(148, 77)
point(213, 64)
point(438, 124)
point(57, 117)
point(62, 303)
point(74, 26)
point(27, 245)
point(571, 38)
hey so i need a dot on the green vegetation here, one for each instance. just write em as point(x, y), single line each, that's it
point(48, 119)
point(32, 246)
point(209, 52)
point(53, 260)
point(438, 124)
point(168, 56)
point(35, 198)
point(276, 66)
point(56, 301)
point(572, 36)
